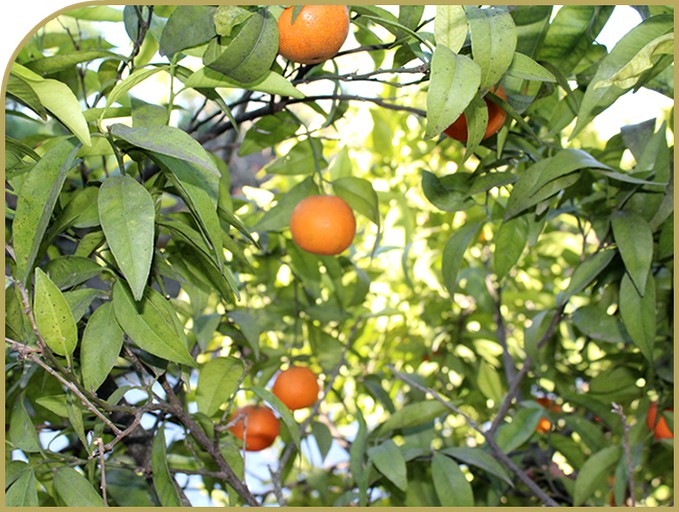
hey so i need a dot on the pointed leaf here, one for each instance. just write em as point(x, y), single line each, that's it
point(152, 324)
point(187, 26)
point(323, 438)
point(493, 37)
point(635, 243)
point(272, 83)
point(594, 473)
point(282, 410)
point(37, 198)
point(510, 242)
point(21, 433)
point(124, 86)
point(163, 482)
point(389, 461)
point(453, 254)
point(217, 381)
point(454, 82)
point(75, 490)
point(53, 316)
point(450, 26)
point(412, 415)
point(23, 492)
point(638, 313)
point(360, 195)
point(481, 459)
point(523, 66)
point(451, 486)
point(127, 215)
point(511, 436)
point(248, 326)
point(101, 344)
point(58, 98)
point(585, 273)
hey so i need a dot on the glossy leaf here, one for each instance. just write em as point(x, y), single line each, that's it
point(127, 215)
point(163, 482)
point(23, 492)
point(638, 313)
point(217, 381)
point(282, 410)
point(450, 26)
point(75, 490)
point(510, 242)
point(323, 438)
point(479, 458)
point(249, 54)
point(100, 347)
point(360, 195)
point(511, 436)
point(21, 433)
point(187, 26)
point(248, 326)
point(389, 461)
point(413, 414)
point(272, 83)
point(585, 273)
point(451, 486)
point(454, 82)
point(53, 316)
point(594, 473)
point(635, 242)
point(489, 383)
point(152, 324)
point(493, 38)
point(301, 159)
point(68, 271)
point(56, 63)
point(124, 86)
point(449, 193)
point(36, 202)
point(523, 66)
point(453, 254)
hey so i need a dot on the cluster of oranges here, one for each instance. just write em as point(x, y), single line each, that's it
point(257, 425)
point(324, 224)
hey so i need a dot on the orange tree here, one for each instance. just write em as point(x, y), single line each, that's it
point(153, 287)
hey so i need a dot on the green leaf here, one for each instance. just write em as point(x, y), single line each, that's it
point(248, 326)
point(537, 182)
point(267, 131)
point(127, 215)
point(53, 316)
point(248, 56)
point(599, 95)
point(323, 438)
point(360, 195)
point(68, 271)
point(228, 17)
point(453, 254)
point(524, 67)
point(21, 433)
point(75, 490)
point(152, 324)
point(638, 313)
point(36, 201)
point(272, 83)
point(20, 90)
point(124, 86)
point(282, 410)
point(510, 242)
point(301, 159)
point(60, 62)
point(55, 404)
point(357, 453)
point(453, 84)
point(448, 193)
point(217, 381)
point(481, 459)
point(511, 436)
point(452, 488)
point(147, 115)
point(389, 461)
point(81, 299)
point(412, 415)
point(23, 492)
point(169, 141)
point(100, 347)
point(450, 26)
point(163, 482)
point(594, 322)
point(493, 37)
point(187, 26)
point(58, 98)
point(489, 383)
point(594, 473)
point(635, 242)
point(585, 273)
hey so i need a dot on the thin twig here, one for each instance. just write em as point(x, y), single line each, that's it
point(501, 328)
point(102, 463)
point(617, 409)
point(495, 448)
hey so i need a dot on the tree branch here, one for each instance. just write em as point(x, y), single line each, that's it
point(495, 448)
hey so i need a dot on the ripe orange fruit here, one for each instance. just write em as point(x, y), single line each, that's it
point(262, 427)
point(544, 425)
point(496, 118)
point(297, 387)
point(323, 224)
point(660, 430)
point(317, 34)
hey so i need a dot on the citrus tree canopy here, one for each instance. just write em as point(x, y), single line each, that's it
point(339, 256)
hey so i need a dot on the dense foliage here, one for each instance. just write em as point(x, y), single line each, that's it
point(494, 335)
